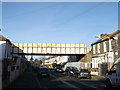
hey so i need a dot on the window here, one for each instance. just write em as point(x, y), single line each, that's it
point(113, 43)
point(95, 62)
point(94, 49)
point(110, 45)
point(104, 46)
point(98, 47)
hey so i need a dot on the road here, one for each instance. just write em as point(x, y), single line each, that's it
point(58, 80)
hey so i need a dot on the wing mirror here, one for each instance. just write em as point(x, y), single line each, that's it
point(110, 72)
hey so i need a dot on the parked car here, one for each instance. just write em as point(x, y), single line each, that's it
point(58, 69)
point(71, 71)
point(84, 73)
point(43, 72)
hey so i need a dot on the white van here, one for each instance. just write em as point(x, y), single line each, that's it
point(113, 76)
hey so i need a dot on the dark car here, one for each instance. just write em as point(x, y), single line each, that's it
point(43, 72)
point(58, 69)
point(71, 71)
point(84, 73)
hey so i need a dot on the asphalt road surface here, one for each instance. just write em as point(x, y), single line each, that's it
point(58, 80)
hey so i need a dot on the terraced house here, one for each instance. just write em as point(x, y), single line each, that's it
point(105, 52)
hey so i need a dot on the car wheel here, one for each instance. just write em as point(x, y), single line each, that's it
point(108, 83)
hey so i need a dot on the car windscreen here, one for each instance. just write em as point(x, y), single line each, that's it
point(73, 68)
point(58, 67)
point(44, 69)
point(84, 70)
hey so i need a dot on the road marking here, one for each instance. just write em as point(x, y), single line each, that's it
point(70, 85)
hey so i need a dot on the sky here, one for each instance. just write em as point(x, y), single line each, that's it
point(0, 16)
point(58, 22)
point(59, 0)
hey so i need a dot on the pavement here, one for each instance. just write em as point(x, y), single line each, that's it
point(26, 80)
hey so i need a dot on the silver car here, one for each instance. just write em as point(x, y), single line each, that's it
point(84, 73)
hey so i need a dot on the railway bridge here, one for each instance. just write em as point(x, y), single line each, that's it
point(49, 49)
